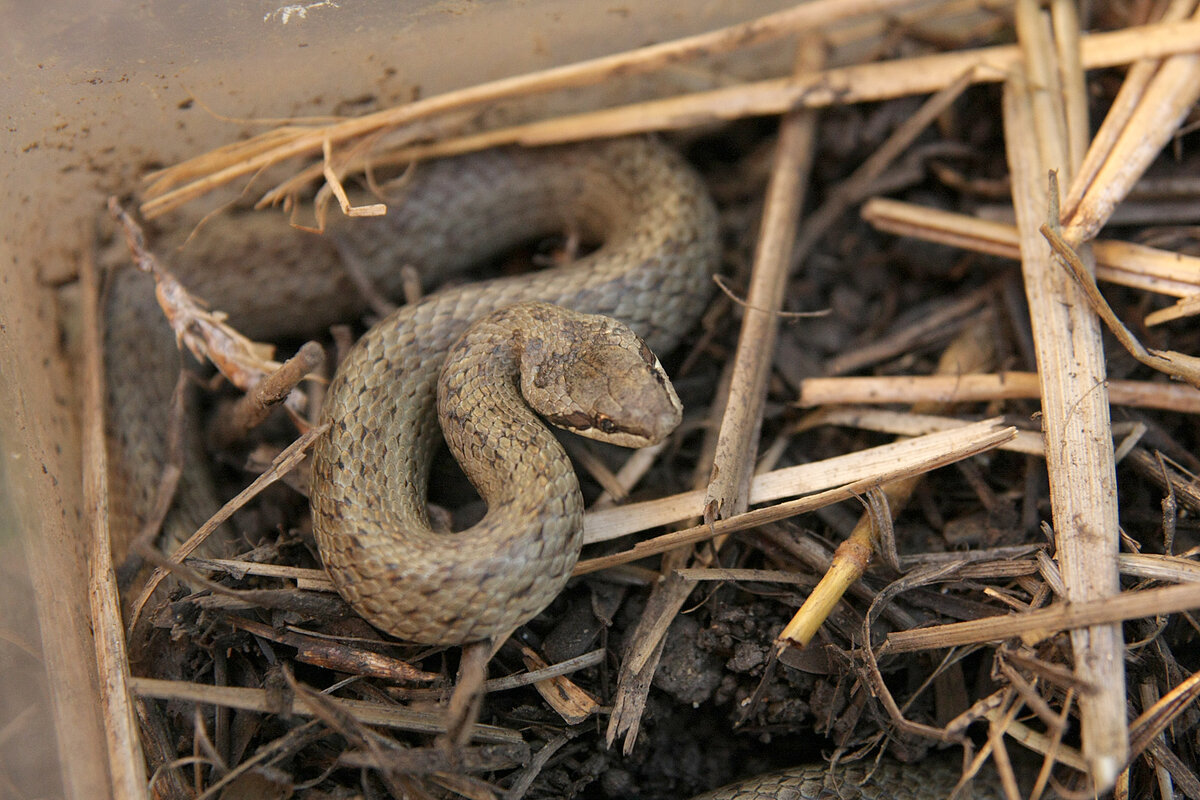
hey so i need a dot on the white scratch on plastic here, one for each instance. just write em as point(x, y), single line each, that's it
point(297, 10)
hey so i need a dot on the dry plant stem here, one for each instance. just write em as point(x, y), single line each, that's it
point(907, 424)
point(462, 712)
point(262, 701)
point(1123, 263)
point(1035, 626)
point(970, 352)
point(252, 408)
point(762, 516)
point(1079, 448)
point(983, 388)
point(127, 767)
point(1187, 307)
point(1071, 83)
point(858, 185)
point(284, 462)
point(743, 381)
point(1161, 107)
point(1154, 720)
point(865, 83)
point(1126, 102)
point(791, 481)
point(1178, 365)
point(251, 156)
point(1148, 692)
point(839, 86)
point(737, 440)
point(853, 555)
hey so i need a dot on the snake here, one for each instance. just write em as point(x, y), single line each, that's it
point(933, 778)
point(638, 293)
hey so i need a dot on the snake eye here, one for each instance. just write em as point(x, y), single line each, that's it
point(605, 424)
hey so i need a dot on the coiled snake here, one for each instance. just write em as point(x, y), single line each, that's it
point(658, 249)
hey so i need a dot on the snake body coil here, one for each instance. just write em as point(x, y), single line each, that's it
point(658, 249)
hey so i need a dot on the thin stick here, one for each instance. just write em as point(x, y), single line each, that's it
point(1169, 362)
point(283, 463)
point(840, 86)
point(264, 702)
point(1079, 447)
point(762, 516)
point(127, 766)
point(970, 352)
point(1034, 626)
point(252, 408)
point(250, 157)
point(1124, 263)
point(1160, 109)
point(737, 440)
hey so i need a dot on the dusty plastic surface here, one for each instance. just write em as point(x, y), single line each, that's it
point(92, 95)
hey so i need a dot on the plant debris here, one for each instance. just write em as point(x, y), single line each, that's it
point(1015, 576)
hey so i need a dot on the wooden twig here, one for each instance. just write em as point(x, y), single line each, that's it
point(338, 656)
point(251, 409)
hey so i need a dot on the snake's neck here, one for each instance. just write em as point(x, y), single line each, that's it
point(507, 452)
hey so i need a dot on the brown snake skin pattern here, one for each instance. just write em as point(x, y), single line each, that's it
point(932, 779)
point(370, 473)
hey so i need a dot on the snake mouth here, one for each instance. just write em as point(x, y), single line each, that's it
point(605, 429)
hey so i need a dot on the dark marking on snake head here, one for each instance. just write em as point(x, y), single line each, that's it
point(647, 354)
point(576, 421)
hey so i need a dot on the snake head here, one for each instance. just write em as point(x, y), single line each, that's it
point(597, 378)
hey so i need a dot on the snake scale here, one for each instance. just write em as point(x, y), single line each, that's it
point(657, 231)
